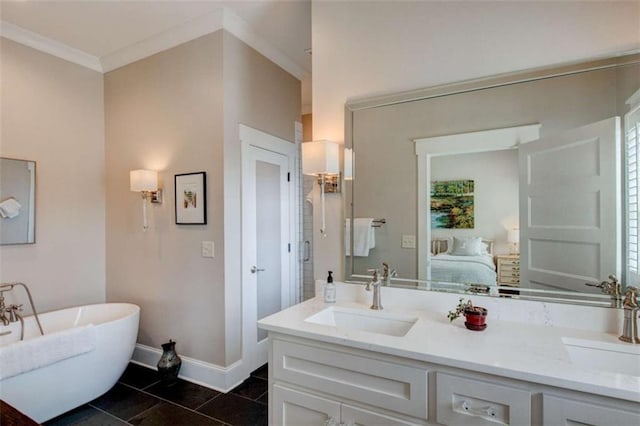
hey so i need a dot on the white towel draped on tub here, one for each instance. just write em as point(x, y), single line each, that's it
point(27, 355)
point(364, 236)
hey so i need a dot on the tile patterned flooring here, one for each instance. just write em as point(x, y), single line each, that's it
point(139, 398)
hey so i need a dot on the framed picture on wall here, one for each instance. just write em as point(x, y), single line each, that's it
point(191, 198)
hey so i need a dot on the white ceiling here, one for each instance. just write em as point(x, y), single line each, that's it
point(105, 27)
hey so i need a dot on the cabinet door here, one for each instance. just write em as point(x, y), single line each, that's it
point(353, 416)
point(295, 408)
point(564, 411)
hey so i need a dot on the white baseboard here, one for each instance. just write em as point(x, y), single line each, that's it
point(213, 376)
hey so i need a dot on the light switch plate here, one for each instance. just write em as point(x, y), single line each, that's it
point(208, 249)
point(409, 241)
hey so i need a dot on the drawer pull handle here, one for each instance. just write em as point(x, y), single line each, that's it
point(480, 411)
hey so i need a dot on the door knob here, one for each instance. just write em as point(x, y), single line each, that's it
point(255, 269)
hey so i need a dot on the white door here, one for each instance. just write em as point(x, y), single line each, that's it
point(570, 208)
point(267, 230)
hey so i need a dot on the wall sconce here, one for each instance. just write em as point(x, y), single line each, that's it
point(321, 158)
point(513, 237)
point(145, 182)
point(348, 163)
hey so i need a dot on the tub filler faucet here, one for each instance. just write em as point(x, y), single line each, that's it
point(11, 313)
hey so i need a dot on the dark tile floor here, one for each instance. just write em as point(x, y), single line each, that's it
point(139, 398)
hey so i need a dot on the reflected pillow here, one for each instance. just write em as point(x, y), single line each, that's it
point(469, 246)
point(484, 248)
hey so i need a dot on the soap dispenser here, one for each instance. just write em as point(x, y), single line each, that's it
point(330, 290)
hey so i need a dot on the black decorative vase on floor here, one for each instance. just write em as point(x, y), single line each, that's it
point(169, 364)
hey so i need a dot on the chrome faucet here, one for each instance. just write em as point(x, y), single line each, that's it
point(375, 283)
point(3, 311)
point(630, 326)
point(613, 288)
point(387, 274)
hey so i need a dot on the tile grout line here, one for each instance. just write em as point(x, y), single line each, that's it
point(179, 405)
point(108, 413)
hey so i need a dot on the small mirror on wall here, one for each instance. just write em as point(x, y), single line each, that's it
point(17, 201)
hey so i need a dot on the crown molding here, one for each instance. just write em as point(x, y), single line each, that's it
point(239, 28)
point(50, 46)
point(222, 18)
point(157, 43)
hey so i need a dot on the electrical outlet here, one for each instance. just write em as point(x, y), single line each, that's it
point(409, 241)
point(208, 249)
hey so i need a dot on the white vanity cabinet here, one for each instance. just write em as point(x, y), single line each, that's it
point(318, 383)
point(294, 407)
point(318, 380)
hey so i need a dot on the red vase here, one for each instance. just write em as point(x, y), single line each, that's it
point(476, 318)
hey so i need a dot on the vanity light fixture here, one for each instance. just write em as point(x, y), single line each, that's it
point(513, 237)
point(321, 159)
point(145, 182)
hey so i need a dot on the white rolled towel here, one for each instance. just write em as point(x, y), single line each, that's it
point(37, 352)
point(10, 208)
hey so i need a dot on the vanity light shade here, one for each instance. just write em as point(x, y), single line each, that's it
point(320, 157)
point(143, 180)
point(513, 236)
point(348, 164)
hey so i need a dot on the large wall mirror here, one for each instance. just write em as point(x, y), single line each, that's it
point(515, 185)
point(17, 201)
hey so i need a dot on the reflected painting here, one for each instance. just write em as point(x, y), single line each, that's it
point(452, 204)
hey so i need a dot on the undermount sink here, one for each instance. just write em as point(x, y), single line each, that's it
point(622, 358)
point(371, 321)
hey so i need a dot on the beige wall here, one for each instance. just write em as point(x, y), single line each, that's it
point(178, 112)
point(307, 127)
point(259, 94)
point(165, 113)
point(52, 113)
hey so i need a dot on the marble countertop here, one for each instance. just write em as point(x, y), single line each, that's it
point(530, 350)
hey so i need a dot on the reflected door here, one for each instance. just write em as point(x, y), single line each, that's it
point(570, 208)
point(266, 242)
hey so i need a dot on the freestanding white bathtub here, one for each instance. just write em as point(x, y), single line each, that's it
point(48, 391)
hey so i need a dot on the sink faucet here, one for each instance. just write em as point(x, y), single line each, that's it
point(630, 326)
point(375, 283)
point(613, 288)
point(387, 274)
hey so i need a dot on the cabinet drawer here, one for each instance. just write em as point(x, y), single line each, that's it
point(461, 401)
point(509, 268)
point(371, 381)
point(513, 282)
point(510, 274)
point(563, 411)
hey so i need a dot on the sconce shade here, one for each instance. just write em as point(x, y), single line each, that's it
point(143, 180)
point(513, 236)
point(320, 157)
point(348, 164)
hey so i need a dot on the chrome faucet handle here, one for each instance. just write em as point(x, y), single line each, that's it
point(385, 269)
point(630, 298)
point(374, 280)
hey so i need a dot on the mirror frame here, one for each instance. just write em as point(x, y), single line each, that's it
point(466, 86)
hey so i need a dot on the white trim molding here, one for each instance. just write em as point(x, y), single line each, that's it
point(222, 18)
point(50, 46)
point(213, 376)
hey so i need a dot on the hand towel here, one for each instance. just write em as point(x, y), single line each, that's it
point(364, 237)
point(27, 355)
point(10, 208)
